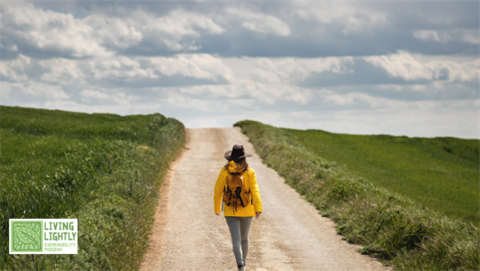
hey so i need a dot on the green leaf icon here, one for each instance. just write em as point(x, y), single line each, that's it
point(26, 235)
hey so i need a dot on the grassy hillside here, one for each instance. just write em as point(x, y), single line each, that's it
point(103, 169)
point(353, 191)
point(440, 173)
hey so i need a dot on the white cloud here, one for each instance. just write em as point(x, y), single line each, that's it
point(403, 87)
point(299, 95)
point(259, 22)
point(186, 23)
point(114, 97)
point(470, 36)
point(192, 65)
point(170, 29)
point(199, 66)
point(92, 94)
point(263, 93)
point(15, 70)
point(114, 32)
point(121, 67)
point(35, 89)
point(287, 70)
point(58, 33)
point(60, 71)
point(48, 31)
point(427, 35)
point(203, 105)
point(339, 99)
point(354, 18)
point(248, 93)
point(324, 12)
point(413, 67)
point(458, 35)
point(54, 71)
point(290, 70)
point(213, 91)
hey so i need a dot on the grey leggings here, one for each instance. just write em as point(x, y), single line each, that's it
point(239, 230)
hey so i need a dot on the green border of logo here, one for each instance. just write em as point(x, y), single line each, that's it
point(16, 236)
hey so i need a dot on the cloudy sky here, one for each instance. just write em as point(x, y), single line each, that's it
point(377, 67)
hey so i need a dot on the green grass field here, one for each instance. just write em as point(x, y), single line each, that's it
point(410, 202)
point(103, 169)
point(440, 173)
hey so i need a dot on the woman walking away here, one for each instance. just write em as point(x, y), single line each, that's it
point(237, 187)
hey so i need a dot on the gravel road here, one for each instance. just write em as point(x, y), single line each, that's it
point(289, 235)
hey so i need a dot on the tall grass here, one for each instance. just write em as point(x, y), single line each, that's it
point(392, 227)
point(103, 169)
point(440, 173)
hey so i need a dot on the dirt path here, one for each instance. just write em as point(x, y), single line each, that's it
point(289, 235)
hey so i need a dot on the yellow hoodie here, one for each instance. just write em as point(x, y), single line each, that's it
point(250, 183)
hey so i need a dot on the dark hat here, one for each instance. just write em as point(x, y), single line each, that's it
point(236, 153)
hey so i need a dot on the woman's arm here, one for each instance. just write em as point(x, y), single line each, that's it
point(255, 192)
point(218, 192)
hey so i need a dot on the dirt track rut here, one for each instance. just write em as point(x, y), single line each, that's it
point(289, 235)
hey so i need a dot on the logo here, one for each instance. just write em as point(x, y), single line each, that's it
point(26, 236)
point(43, 236)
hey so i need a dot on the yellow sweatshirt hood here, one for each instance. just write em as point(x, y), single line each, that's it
point(232, 167)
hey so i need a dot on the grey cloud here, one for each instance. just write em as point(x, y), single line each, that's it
point(259, 22)
point(362, 29)
point(358, 73)
point(8, 48)
point(401, 68)
point(432, 15)
point(119, 72)
point(164, 81)
point(347, 69)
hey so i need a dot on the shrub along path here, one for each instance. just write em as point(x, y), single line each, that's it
point(289, 235)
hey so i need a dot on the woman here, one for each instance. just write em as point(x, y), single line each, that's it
point(237, 187)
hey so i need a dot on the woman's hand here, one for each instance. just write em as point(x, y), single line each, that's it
point(217, 213)
point(257, 214)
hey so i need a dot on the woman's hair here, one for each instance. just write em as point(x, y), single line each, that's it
point(242, 164)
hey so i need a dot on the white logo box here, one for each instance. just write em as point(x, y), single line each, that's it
point(43, 236)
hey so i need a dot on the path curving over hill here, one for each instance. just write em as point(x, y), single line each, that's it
point(289, 235)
